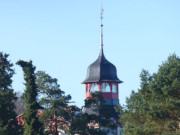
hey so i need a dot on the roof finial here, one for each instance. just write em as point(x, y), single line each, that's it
point(101, 45)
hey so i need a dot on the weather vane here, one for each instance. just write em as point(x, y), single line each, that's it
point(102, 11)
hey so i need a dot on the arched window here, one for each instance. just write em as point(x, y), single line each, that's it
point(87, 89)
point(94, 87)
point(114, 88)
point(105, 87)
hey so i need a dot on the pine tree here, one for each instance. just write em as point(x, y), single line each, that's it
point(8, 123)
point(53, 100)
point(154, 109)
point(102, 114)
point(79, 122)
point(32, 125)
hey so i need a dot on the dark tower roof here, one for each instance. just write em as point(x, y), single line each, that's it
point(101, 71)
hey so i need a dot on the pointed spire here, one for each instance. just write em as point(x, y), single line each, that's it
point(101, 44)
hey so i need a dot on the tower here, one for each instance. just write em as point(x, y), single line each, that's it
point(102, 77)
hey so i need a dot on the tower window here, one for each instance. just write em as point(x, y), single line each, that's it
point(94, 87)
point(86, 88)
point(105, 87)
point(114, 88)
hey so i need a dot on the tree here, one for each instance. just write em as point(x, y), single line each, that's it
point(154, 109)
point(8, 123)
point(100, 114)
point(32, 125)
point(79, 121)
point(53, 100)
point(20, 105)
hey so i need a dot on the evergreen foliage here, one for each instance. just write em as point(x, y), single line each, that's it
point(79, 123)
point(154, 109)
point(32, 125)
point(53, 101)
point(103, 116)
point(8, 123)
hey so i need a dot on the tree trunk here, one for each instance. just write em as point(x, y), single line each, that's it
point(55, 132)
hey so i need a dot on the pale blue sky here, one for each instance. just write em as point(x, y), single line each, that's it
point(62, 37)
